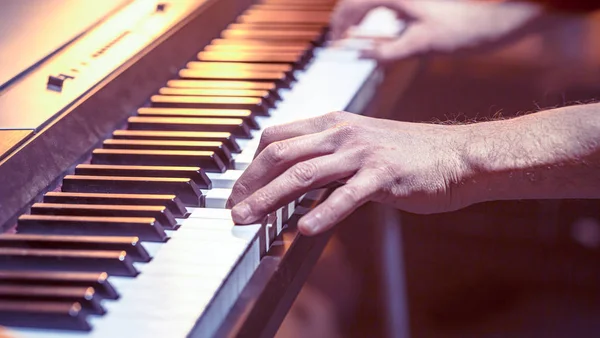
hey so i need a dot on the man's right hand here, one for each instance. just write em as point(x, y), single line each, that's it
point(436, 25)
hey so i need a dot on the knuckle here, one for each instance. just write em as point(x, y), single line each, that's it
point(304, 173)
point(348, 134)
point(382, 178)
point(240, 190)
point(259, 202)
point(336, 117)
point(365, 152)
point(276, 152)
point(347, 130)
point(328, 211)
point(268, 135)
point(349, 194)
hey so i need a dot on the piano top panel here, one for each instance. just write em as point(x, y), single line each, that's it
point(35, 29)
point(88, 61)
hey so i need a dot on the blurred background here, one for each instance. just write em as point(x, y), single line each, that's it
point(517, 269)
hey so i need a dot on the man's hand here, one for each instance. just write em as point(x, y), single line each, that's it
point(411, 166)
point(437, 25)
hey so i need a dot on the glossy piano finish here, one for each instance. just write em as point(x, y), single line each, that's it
point(86, 61)
point(63, 140)
point(22, 21)
point(11, 139)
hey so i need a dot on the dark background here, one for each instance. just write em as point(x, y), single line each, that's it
point(517, 268)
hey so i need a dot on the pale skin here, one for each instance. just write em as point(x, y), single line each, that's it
point(442, 26)
point(416, 167)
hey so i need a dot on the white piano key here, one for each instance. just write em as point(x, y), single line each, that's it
point(210, 213)
point(262, 120)
point(243, 159)
point(242, 143)
point(216, 197)
point(225, 214)
point(186, 274)
point(224, 180)
point(279, 224)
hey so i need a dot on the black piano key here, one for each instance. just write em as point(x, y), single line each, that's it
point(280, 46)
point(265, 95)
point(241, 66)
point(219, 74)
point(200, 69)
point(314, 34)
point(305, 2)
point(146, 228)
point(258, 57)
point(269, 35)
point(256, 104)
point(86, 296)
point(299, 2)
point(217, 147)
point(207, 160)
point(271, 87)
point(281, 79)
point(112, 262)
point(282, 26)
point(245, 115)
point(97, 280)
point(196, 174)
point(237, 127)
point(305, 48)
point(161, 213)
point(131, 244)
point(187, 191)
point(275, 46)
point(172, 202)
point(302, 2)
point(283, 16)
point(294, 7)
point(44, 315)
point(227, 138)
point(238, 46)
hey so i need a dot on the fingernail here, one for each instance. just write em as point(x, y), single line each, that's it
point(241, 212)
point(310, 223)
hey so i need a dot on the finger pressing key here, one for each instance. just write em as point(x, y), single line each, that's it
point(277, 158)
point(293, 183)
point(341, 203)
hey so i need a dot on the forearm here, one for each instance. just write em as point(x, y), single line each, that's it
point(551, 154)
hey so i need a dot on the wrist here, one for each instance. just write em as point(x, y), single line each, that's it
point(517, 159)
point(493, 161)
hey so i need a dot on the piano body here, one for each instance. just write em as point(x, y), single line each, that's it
point(120, 139)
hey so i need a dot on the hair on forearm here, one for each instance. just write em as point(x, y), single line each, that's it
point(462, 119)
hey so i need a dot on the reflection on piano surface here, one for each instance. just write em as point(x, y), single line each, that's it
point(116, 174)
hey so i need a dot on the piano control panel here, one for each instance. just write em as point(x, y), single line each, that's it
point(78, 67)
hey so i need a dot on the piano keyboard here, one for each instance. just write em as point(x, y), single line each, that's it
point(136, 242)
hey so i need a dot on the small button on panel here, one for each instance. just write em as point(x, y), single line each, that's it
point(56, 82)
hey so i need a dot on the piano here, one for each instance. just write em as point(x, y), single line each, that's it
point(118, 149)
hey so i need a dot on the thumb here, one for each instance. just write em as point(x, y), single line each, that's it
point(416, 39)
point(348, 14)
